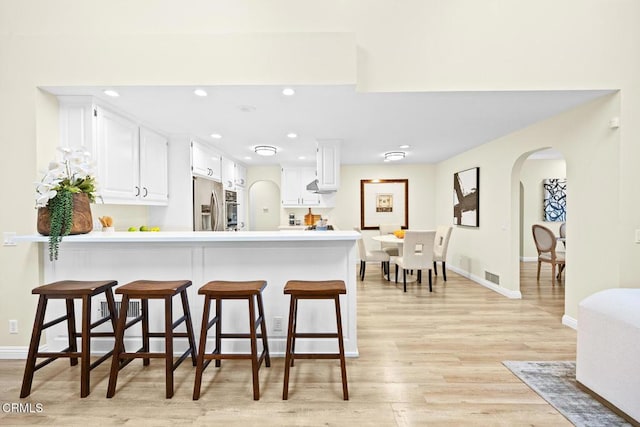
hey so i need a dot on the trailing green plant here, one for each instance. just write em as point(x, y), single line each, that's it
point(63, 179)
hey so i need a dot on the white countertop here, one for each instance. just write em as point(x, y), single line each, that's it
point(197, 236)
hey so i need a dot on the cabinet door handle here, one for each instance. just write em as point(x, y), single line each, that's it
point(209, 171)
point(137, 191)
point(145, 192)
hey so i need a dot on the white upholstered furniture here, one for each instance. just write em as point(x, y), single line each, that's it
point(417, 254)
point(440, 245)
point(608, 352)
point(371, 256)
point(390, 248)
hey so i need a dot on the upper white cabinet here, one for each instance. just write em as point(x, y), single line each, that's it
point(228, 174)
point(293, 187)
point(205, 162)
point(241, 175)
point(132, 161)
point(154, 167)
point(328, 165)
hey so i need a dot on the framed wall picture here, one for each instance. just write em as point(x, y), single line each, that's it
point(466, 197)
point(384, 201)
point(555, 199)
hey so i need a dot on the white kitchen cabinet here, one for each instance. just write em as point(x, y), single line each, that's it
point(132, 161)
point(328, 165)
point(240, 175)
point(293, 187)
point(228, 174)
point(154, 167)
point(242, 208)
point(205, 162)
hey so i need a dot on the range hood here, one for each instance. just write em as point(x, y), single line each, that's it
point(313, 187)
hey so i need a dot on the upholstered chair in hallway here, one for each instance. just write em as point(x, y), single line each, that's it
point(545, 242)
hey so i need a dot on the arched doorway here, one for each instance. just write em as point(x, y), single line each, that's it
point(535, 171)
point(264, 206)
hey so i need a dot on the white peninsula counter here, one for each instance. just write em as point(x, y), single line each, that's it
point(276, 257)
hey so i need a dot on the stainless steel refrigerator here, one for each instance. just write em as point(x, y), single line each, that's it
point(208, 205)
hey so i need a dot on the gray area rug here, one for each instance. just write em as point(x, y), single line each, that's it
point(556, 383)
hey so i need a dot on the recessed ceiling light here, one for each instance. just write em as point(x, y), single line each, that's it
point(216, 136)
point(392, 156)
point(301, 158)
point(405, 146)
point(292, 135)
point(200, 92)
point(112, 93)
point(287, 91)
point(247, 108)
point(247, 157)
point(265, 150)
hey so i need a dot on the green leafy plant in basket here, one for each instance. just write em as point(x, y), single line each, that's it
point(63, 196)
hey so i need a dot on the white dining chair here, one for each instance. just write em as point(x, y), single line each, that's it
point(417, 254)
point(371, 256)
point(440, 245)
point(389, 248)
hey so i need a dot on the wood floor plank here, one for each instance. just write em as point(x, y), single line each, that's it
point(425, 359)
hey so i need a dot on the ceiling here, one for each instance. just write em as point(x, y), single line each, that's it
point(435, 125)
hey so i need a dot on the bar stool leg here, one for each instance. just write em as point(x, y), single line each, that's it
point(71, 330)
point(263, 330)
point(288, 361)
point(118, 347)
point(85, 360)
point(218, 349)
point(254, 349)
point(295, 329)
point(190, 334)
point(145, 328)
point(202, 348)
point(33, 347)
point(343, 363)
point(168, 345)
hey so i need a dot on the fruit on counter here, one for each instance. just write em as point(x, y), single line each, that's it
point(155, 228)
point(133, 229)
point(106, 221)
point(144, 228)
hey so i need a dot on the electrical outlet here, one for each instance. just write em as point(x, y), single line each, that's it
point(7, 238)
point(277, 324)
point(13, 326)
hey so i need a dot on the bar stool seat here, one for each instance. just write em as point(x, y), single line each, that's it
point(69, 290)
point(146, 290)
point(221, 290)
point(301, 289)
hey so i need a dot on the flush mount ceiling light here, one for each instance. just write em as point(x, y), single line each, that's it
point(265, 150)
point(112, 93)
point(392, 156)
point(287, 91)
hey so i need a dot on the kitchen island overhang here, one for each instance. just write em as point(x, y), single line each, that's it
point(276, 257)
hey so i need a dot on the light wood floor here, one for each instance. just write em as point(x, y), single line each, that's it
point(425, 359)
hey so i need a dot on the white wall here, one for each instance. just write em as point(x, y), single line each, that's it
point(428, 45)
point(532, 174)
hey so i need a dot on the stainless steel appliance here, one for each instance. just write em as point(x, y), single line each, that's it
point(231, 210)
point(208, 205)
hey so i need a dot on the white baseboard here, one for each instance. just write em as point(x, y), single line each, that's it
point(570, 322)
point(17, 352)
point(528, 259)
point(479, 280)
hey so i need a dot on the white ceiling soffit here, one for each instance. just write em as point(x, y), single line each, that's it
point(435, 125)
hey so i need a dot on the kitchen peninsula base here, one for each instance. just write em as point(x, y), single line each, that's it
point(203, 256)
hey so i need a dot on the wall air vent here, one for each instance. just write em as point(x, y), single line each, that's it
point(132, 311)
point(493, 278)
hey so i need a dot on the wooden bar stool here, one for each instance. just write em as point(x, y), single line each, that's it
point(70, 290)
point(300, 289)
point(146, 290)
point(221, 290)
